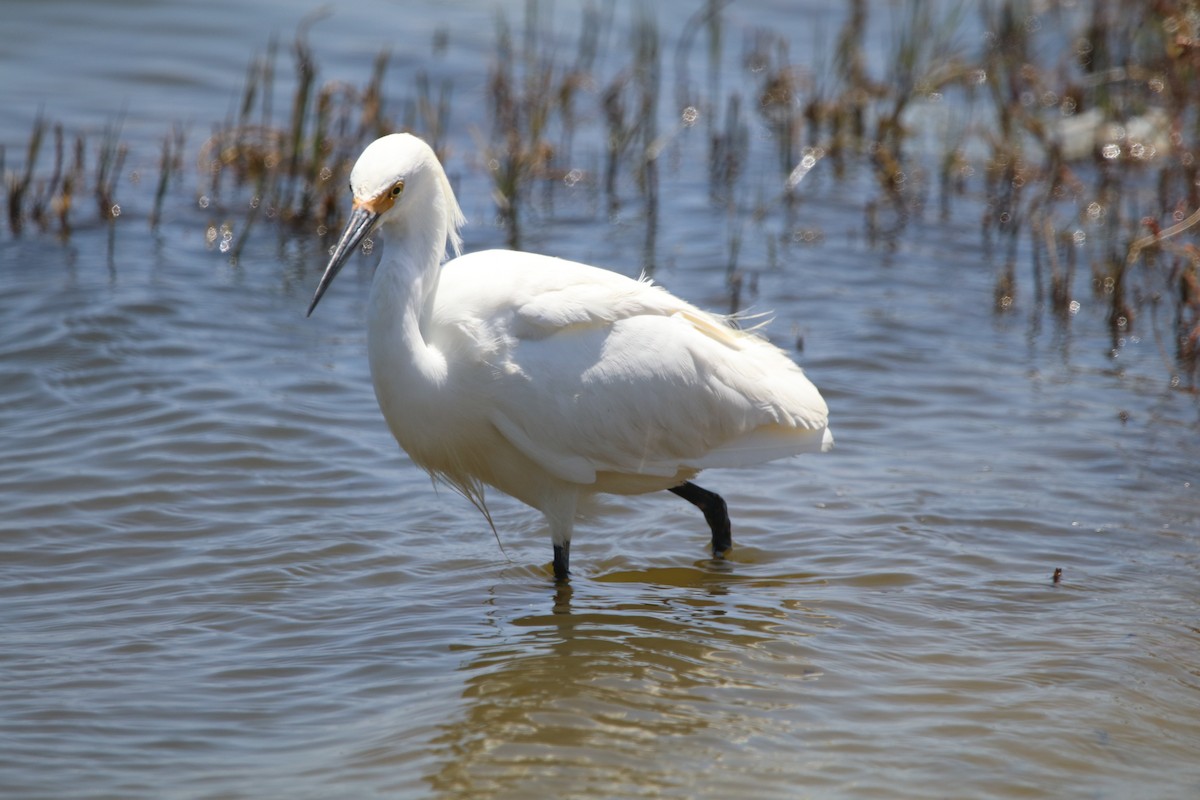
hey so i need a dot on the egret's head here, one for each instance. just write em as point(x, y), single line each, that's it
point(395, 173)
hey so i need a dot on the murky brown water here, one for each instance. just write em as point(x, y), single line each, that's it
point(220, 578)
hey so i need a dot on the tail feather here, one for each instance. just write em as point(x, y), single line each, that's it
point(766, 444)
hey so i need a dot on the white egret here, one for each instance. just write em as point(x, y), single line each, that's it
point(552, 380)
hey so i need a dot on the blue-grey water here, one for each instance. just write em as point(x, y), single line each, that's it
point(220, 578)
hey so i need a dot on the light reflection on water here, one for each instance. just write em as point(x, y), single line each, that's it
point(219, 578)
point(577, 697)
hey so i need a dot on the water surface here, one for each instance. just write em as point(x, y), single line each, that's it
point(219, 577)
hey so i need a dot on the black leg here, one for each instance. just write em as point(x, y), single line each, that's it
point(562, 561)
point(715, 514)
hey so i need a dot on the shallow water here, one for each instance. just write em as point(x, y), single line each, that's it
point(220, 578)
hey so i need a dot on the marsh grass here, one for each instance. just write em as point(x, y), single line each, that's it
point(295, 167)
point(1077, 138)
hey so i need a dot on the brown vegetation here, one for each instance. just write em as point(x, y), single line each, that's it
point(1084, 155)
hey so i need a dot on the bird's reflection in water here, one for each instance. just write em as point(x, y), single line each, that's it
point(562, 597)
point(615, 688)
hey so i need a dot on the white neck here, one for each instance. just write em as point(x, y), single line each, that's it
point(403, 365)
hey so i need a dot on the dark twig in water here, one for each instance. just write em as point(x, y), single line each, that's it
point(17, 187)
point(109, 163)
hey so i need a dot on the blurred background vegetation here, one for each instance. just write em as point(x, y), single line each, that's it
point(1072, 126)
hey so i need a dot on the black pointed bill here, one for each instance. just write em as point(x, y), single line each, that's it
point(362, 222)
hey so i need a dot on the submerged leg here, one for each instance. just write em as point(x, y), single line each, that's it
point(715, 514)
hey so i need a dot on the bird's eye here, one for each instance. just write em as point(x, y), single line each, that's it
point(397, 189)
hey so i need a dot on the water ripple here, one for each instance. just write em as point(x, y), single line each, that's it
point(219, 577)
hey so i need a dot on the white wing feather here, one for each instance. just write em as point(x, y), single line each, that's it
point(590, 371)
